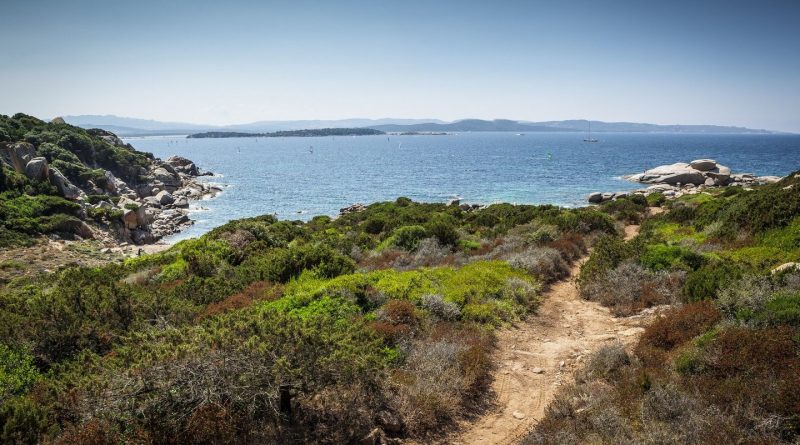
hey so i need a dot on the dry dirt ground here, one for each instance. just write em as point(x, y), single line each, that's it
point(48, 255)
point(540, 354)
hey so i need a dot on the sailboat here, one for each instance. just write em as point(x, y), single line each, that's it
point(589, 136)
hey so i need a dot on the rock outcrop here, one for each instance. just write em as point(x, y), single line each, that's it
point(681, 178)
point(17, 155)
point(66, 188)
point(354, 208)
point(37, 169)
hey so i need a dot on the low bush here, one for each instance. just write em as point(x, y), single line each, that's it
point(408, 237)
point(629, 288)
point(656, 199)
point(662, 257)
point(571, 247)
point(674, 329)
point(443, 228)
point(542, 234)
point(608, 253)
point(629, 209)
point(545, 263)
point(436, 305)
point(606, 363)
point(522, 292)
point(704, 282)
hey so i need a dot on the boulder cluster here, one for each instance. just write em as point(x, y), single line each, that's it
point(154, 206)
point(21, 156)
point(354, 208)
point(158, 206)
point(681, 178)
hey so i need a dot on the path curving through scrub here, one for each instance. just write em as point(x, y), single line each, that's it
point(537, 356)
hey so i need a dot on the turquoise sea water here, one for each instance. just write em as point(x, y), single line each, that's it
point(283, 176)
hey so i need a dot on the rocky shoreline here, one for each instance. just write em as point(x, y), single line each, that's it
point(159, 207)
point(151, 205)
point(676, 180)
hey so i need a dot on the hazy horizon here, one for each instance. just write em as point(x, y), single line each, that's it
point(719, 63)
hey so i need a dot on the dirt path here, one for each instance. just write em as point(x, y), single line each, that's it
point(540, 354)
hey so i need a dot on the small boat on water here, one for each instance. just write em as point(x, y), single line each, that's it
point(589, 136)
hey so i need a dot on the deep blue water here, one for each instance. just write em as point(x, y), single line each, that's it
point(282, 176)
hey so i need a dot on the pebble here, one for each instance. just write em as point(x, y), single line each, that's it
point(537, 371)
point(518, 415)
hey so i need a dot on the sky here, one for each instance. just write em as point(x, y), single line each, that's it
point(223, 62)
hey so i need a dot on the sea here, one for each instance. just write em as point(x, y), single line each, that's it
point(300, 177)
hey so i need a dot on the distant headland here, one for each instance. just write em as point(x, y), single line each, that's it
point(316, 132)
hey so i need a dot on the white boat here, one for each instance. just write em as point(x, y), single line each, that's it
point(589, 136)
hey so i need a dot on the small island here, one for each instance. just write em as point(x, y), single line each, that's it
point(314, 132)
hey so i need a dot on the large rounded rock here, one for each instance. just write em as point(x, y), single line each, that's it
point(695, 178)
point(165, 198)
point(703, 165)
point(130, 219)
point(662, 170)
point(73, 226)
point(169, 179)
point(37, 169)
point(182, 165)
point(595, 198)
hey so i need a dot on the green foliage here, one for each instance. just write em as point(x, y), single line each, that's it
point(22, 421)
point(17, 372)
point(283, 264)
point(443, 228)
point(543, 234)
point(609, 252)
point(408, 237)
point(704, 282)
point(23, 216)
point(662, 257)
point(628, 209)
point(656, 199)
point(768, 207)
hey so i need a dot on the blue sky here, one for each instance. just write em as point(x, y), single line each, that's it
point(721, 62)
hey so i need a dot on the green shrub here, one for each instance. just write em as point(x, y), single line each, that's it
point(704, 282)
point(22, 421)
point(609, 252)
point(656, 199)
point(443, 228)
point(543, 234)
point(17, 373)
point(662, 257)
point(408, 237)
point(374, 225)
point(281, 265)
point(626, 209)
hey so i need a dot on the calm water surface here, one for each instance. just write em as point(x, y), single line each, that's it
point(282, 175)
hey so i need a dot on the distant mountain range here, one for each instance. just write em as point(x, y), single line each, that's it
point(472, 125)
point(125, 126)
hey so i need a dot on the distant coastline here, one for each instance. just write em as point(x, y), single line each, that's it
point(126, 127)
point(317, 132)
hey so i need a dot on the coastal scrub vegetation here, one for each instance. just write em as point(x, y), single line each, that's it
point(722, 365)
point(267, 331)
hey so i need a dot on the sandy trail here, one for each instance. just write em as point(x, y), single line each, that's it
point(540, 354)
